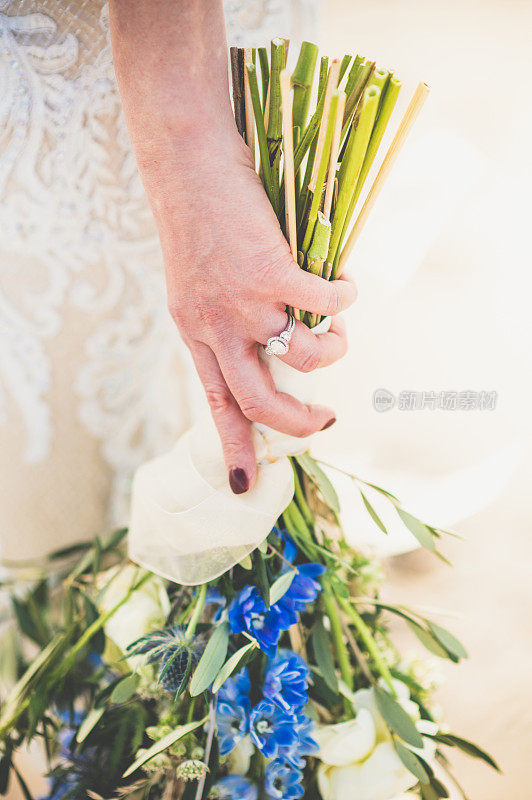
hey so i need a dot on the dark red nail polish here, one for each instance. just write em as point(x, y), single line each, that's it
point(238, 480)
point(328, 424)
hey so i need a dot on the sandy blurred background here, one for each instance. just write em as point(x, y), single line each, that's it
point(456, 319)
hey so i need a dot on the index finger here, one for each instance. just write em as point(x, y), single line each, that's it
point(308, 292)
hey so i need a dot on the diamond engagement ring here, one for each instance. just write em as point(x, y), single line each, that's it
point(279, 345)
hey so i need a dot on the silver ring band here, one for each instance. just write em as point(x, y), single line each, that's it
point(279, 345)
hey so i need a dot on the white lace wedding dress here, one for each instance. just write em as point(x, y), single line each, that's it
point(93, 377)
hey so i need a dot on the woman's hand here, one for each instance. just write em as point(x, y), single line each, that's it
point(229, 270)
point(230, 276)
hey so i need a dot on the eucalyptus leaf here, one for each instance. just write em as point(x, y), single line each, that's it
point(125, 689)
point(429, 641)
point(322, 653)
point(231, 665)
point(470, 748)
point(397, 718)
point(416, 527)
point(412, 762)
point(92, 719)
point(448, 641)
point(318, 477)
point(163, 744)
point(373, 514)
point(280, 587)
point(211, 661)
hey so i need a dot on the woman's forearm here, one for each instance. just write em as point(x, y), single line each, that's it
point(171, 66)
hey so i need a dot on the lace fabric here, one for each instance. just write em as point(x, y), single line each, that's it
point(93, 377)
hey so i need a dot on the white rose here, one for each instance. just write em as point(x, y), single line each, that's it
point(145, 611)
point(381, 776)
point(358, 759)
point(239, 758)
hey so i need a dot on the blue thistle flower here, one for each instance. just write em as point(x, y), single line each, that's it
point(235, 787)
point(282, 782)
point(286, 681)
point(271, 728)
point(175, 655)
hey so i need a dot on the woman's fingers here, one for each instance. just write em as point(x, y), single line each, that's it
point(301, 289)
point(252, 386)
point(309, 351)
point(233, 427)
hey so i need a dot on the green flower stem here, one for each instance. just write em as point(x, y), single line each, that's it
point(198, 608)
point(98, 624)
point(387, 103)
point(300, 498)
point(319, 247)
point(370, 643)
point(322, 171)
point(354, 72)
point(275, 130)
point(264, 74)
point(261, 135)
point(346, 60)
point(362, 77)
point(302, 79)
point(331, 607)
point(311, 130)
point(350, 168)
point(388, 99)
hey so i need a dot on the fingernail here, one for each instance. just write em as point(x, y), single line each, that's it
point(238, 480)
point(328, 424)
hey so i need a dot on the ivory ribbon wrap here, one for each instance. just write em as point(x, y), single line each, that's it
point(186, 523)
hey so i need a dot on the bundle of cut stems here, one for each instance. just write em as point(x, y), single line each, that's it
point(314, 167)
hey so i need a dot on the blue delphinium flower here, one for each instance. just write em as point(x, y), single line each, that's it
point(215, 598)
point(271, 728)
point(235, 787)
point(282, 782)
point(305, 586)
point(248, 613)
point(232, 711)
point(286, 681)
point(236, 687)
point(304, 744)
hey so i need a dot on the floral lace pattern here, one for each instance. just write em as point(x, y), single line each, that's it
point(78, 240)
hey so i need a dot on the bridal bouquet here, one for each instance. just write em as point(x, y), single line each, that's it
point(252, 660)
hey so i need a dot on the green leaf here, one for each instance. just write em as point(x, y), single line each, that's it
point(373, 514)
point(5, 770)
point(125, 689)
point(470, 748)
point(231, 665)
point(448, 641)
point(211, 661)
point(246, 562)
point(280, 587)
point(163, 744)
point(412, 762)
point(263, 546)
point(416, 527)
point(90, 721)
point(322, 653)
point(397, 718)
point(318, 476)
point(429, 641)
